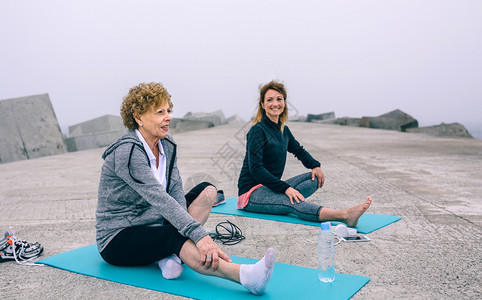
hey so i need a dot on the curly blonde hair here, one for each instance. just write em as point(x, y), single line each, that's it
point(140, 99)
point(280, 88)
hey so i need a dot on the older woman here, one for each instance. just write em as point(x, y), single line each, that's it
point(143, 215)
point(260, 188)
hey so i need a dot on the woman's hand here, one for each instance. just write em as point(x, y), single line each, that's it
point(210, 253)
point(294, 194)
point(318, 173)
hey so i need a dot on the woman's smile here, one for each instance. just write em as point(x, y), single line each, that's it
point(274, 105)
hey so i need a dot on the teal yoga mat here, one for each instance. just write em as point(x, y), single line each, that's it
point(287, 282)
point(366, 224)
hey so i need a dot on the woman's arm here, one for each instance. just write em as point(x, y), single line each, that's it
point(133, 168)
point(299, 152)
point(306, 159)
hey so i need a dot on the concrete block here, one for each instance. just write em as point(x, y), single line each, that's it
point(394, 120)
point(93, 140)
point(29, 129)
point(216, 117)
point(346, 121)
point(182, 125)
point(297, 118)
point(444, 130)
point(95, 133)
point(325, 116)
point(100, 124)
point(235, 119)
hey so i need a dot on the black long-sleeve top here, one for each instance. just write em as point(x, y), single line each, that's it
point(265, 158)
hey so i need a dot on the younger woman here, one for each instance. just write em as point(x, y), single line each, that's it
point(260, 188)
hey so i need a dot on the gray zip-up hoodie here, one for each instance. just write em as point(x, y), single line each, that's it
point(130, 195)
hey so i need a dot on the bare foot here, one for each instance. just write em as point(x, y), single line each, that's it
point(354, 213)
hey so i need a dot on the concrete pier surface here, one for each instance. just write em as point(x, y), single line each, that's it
point(434, 184)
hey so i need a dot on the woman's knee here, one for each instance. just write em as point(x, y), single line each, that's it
point(209, 195)
point(308, 187)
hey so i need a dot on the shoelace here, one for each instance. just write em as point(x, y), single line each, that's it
point(15, 242)
point(228, 233)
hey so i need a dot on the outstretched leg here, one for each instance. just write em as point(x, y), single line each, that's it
point(253, 277)
point(349, 216)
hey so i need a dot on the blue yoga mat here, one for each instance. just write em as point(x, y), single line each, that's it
point(287, 282)
point(366, 224)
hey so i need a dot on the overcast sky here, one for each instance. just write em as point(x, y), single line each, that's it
point(356, 58)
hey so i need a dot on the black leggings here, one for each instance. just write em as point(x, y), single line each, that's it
point(144, 245)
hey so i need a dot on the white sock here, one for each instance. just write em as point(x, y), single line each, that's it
point(255, 277)
point(171, 267)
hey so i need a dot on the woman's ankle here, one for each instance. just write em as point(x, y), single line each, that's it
point(330, 214)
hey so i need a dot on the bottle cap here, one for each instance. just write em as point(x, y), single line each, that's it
point(325, 226)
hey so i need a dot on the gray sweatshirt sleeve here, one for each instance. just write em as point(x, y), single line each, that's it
point(132, 166)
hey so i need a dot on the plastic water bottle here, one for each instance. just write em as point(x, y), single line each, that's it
point(326, 254)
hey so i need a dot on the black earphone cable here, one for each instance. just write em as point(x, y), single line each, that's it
point(227, 233)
